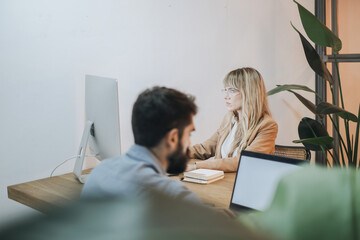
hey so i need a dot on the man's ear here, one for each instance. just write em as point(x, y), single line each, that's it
point(172, 138)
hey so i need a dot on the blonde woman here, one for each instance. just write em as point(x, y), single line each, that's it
point(247, 126)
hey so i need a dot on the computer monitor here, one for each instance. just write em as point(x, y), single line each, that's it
point(102, 127)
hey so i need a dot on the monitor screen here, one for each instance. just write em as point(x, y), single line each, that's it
point(257, 179)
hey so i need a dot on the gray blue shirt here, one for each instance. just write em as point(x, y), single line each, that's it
point(137, 172)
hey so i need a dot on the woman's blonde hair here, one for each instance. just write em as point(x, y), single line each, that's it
point(250, 84)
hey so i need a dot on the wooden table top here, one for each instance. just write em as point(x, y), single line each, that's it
point(45, 194)
point(217, 193)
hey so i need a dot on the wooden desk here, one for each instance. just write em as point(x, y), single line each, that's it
point(47, 193)
point(217, 193)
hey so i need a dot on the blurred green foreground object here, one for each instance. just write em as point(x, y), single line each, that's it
point(158, 217)
point(313, 203)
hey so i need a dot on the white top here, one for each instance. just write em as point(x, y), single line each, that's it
point(225, 148)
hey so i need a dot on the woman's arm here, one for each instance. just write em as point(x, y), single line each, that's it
point(264, 142)
point(224, 164)
point(207, 149)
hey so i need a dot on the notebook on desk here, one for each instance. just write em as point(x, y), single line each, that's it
point(203, 176)
point(256, 180)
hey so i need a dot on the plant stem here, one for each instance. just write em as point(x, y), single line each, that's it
point(338, 76)
point(353, 162)
point(341, 139)
point(335, 121)
point(342, 154)
point(328, 162)
point(334, 158)
point(336, 154)
point(324, 151)
point(346, 122)
point(357, 137)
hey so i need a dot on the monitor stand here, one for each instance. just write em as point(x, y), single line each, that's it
point(89, 129)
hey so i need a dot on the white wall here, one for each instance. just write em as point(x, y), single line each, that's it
point(46, 48)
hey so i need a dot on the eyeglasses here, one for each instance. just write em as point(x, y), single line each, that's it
point(231, 91)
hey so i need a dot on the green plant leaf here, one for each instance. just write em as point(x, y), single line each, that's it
point(308, 129)
point(327, 108)
point(320, 141)
point(287, 87)
point(314, 59)
point(317, 31)
point(307, 103)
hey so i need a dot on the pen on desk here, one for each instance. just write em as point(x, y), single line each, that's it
point(181, 175)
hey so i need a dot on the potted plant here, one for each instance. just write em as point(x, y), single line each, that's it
point(312, 133)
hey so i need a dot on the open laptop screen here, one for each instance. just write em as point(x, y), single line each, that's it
point(257, 178)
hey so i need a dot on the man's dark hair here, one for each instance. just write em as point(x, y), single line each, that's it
point(158, 110)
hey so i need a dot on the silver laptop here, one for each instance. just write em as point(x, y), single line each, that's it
point(257, 178)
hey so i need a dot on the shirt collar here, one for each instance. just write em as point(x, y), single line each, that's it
point(143, 154)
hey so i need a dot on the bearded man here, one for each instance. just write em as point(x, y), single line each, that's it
point(162, 122)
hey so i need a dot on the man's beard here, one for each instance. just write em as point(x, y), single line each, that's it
point(177, 160)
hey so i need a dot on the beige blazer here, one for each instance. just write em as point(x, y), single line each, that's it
point(261, 140)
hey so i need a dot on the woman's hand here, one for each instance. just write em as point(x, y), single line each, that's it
point(190, 167)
